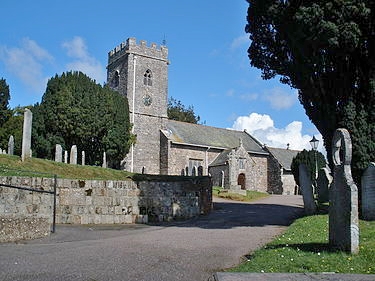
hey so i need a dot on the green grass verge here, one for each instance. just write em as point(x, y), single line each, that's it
point(250, 195)
point(304, 248)
point(13, 166)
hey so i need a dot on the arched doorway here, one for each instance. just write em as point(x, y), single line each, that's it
point(242, 181)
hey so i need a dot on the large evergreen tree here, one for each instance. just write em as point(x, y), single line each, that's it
point(76, 111)
point(177, 111)
point(326, 50)
point(5, 113)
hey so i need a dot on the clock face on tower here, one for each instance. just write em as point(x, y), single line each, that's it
point(147, 100)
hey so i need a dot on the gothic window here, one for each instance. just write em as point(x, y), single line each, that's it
point(193, 164)
point(116, 79)
point(147, 78)
point(241, 163)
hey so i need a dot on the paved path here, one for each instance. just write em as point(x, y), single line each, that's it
point(191, 250)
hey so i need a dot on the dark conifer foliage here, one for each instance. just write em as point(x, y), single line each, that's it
point(177, 111)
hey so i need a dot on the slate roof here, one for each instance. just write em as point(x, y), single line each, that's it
point(206, 136)
point(283, 156)
point(222, 158)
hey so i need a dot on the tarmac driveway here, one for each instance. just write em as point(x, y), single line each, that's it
point(190, 250)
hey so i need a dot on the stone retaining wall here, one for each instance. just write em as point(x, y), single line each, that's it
point(147, 198)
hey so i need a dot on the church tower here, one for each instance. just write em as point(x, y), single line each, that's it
point(140, 72)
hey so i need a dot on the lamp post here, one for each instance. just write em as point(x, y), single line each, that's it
point(314, 145)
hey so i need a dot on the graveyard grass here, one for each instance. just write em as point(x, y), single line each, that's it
point(304, 248)
point(250, 195)
point(11, 165)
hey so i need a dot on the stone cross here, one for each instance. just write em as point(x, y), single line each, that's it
point(73, 155)
point(26, 134)
point(306, 190)
point(11, 145)
point(83, 158)
point(324, 180)
point(368, 193)
point(58, 153)
point(343, 196)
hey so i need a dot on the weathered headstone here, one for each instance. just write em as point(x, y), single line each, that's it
point(200, 171)
point(306, 190)
point(66, 157)
point(104, 165)
point(11, 145)
point(343, 196)
point(83, 162)
point(73, 155)
point(324, 180)
point(368, 193)
point(58, 153)
point(26, 134)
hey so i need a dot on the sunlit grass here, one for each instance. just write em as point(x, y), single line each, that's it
point(304, 248)
point(250, 195)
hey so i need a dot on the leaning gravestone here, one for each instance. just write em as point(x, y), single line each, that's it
point(324, 180)
point(11, 145)
point(104, 165)
point(306, 190)
point(368, 193)
point(58, 153)
point(73, 155)
point(26, 134)
point(343, 209)
point(83, 158)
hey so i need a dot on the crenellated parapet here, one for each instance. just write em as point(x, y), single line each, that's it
point(130, 46)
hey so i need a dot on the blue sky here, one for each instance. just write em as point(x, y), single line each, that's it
point(207, 46)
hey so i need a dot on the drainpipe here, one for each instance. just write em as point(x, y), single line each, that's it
point(133, 109)
point(206, 156)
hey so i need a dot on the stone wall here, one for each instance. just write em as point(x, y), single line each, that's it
point(274, 177)
point(257, 176)
point(157, 198)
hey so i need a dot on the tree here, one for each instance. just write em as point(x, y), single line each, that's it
point(76, 111)
point(13, 127)
point(5, 113)
point(326, 50)
point(177, 111)
point(307, 157)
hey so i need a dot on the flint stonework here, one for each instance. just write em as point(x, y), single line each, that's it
point(324, 180)
point(368, 193)
point(11, 145)
point(343, 209)
point(26, 134)
point(73, 155)
point(58, 153)
point(306, 190)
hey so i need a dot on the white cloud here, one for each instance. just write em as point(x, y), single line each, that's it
point(280, 99)
point(239, 41)
point(263, 129)
point(83, 61)
point(26, 62)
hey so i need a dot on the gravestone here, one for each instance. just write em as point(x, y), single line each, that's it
point(306, 190)
point(66, 157)
point(83, 158)
point(26, 134)
point(200, 171)
point(73, 155)
point(343, 197)
point(324, 180)
point(58, 153)
point(11, 145)
point(368, 193)
point(104, 165)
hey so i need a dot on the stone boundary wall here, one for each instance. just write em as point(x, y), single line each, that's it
point(146, 198)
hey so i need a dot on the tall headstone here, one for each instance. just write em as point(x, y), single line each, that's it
point(343, 196)
point(83, 158)
point(324, 180)
point(368, 193)
point(11, 145)
point(66, 157)
point(104, 165)
point(73, 155)
point(306, 190)
point(26, 134)
point(58, 153)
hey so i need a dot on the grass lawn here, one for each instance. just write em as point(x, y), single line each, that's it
point(11, 165)
point(304, 248)
point(250, 195)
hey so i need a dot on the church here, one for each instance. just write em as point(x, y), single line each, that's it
point(233, 159)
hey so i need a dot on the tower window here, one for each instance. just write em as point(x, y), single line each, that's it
point(116, 79)
point(147, 78)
